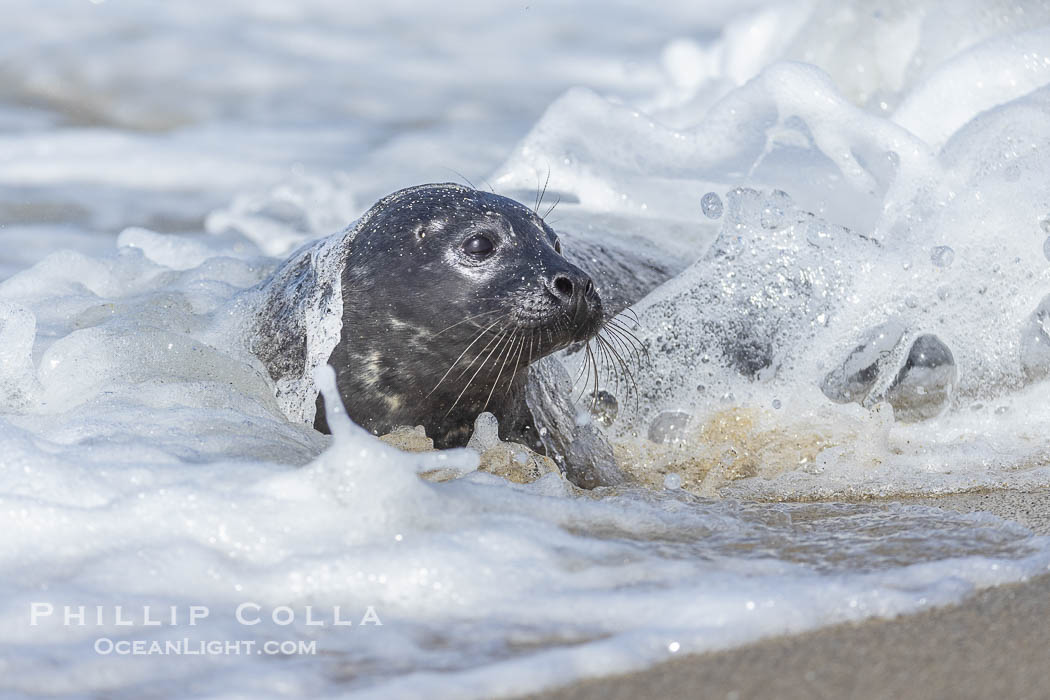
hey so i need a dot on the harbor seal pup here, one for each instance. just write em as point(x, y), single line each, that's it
point(430, 308)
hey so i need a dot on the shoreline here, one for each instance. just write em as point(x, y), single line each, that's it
point(994, 644)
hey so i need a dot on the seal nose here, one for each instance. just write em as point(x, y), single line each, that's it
point(570, 287)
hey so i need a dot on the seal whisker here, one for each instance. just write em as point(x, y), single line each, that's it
point(594, 393)
point(591, 365)
point(539, 198)
point(503, 364)
point(608, 365)
point(496, 339)
point(510, 384)
point(627, 335)
point(581, 372)
point(548, 212)
point(623, 367)
point(453, 365)
point(584, 370)
point(618, 365)
point(616, 320)
point(633, 314)
point(632, 384)
point(469, 318)
point(594, 374)
point(464, 177)
point(532, 338)
point(615, 336)
point(627, 348)
point(478, 371)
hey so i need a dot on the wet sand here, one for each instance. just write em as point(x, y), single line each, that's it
point(994, 645)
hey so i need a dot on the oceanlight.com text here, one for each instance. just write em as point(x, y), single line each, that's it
point(195, 647)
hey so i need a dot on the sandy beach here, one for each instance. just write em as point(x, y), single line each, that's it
point(994, 645)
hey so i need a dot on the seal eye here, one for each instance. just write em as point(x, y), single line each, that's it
point(478, 246)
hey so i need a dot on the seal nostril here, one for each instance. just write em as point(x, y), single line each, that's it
point(563, 285)
point(589, 289)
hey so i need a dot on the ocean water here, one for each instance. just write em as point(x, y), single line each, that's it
point(847, 201)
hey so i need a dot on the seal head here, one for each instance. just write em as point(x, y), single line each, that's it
point(448, 294)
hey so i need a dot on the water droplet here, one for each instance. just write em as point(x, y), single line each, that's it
point(1001, 410)
point(925, 383)
point(774, 213)
point(672, 481)
point(1035, 343)
point(857, 375)
point(942, 256)
point(604, 407)
point(711, 205)
point(817, 235)
point(669, 426)
point(486, 432)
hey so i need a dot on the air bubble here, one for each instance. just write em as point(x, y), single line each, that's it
point(672, 481)
point(777, 404)
point(942, 256)
point(711, 205)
